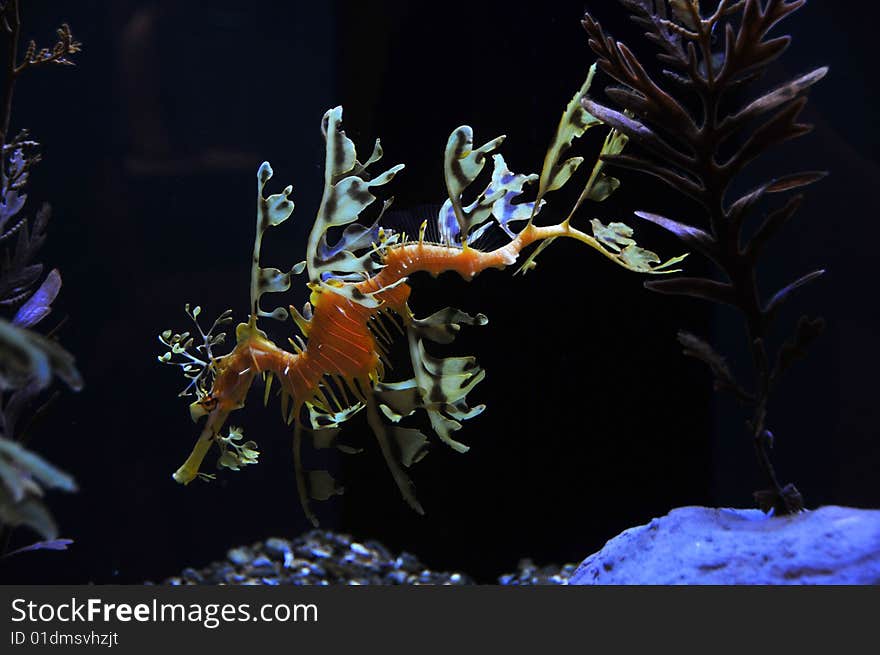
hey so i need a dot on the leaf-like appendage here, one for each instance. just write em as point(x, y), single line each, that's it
point(412, 445)
point(639, 132)
point(347, 186)
point(440, 385)
point(509, 186)
point(603, 187)
point(785, 293)
point(31, 512)
point(574, 122)
point(19, 275)
point(20, 468)
point(808, 330)
point(772, 100)
point(693, 237)
point(11, 202)
point(22, 157)
point(323, 419)
point(781, 127)
point(443, 384)
point(740, 209)
point(495, 201)
point(614, 236)
point(271, 211)
point(462, 164)
point(616, 241)
point(651, 101)
point(320, 485)
point(699, 349)
point(195, 360)
point(233, 453)
point(39, 304)
point(686, 12)
point(653, 18)
point(442, 326)
point(719, 292)
point(772, 223)
point(23, 477)
point(398, 400)
point(52, 544)
point(745, 49)
point(29, 356)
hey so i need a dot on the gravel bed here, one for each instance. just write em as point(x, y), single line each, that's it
point(321, 557)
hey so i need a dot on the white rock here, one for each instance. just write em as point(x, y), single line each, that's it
point(699, 545)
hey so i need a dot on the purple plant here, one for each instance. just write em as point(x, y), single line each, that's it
point(29, 360)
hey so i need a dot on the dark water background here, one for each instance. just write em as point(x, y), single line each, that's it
point(594, 423)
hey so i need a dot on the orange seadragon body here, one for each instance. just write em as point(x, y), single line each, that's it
point(359, 298)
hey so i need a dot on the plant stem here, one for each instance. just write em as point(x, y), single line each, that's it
point(740, 272)
point(783, 499)
point(11, 16)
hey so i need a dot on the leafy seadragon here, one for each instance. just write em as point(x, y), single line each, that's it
point(357, 275)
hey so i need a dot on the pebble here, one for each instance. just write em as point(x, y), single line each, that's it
point(278, 549)
point(191, 575)
point(408, 562)
point(358, 549)
point(396, 577)
point(238, 556)
point(321, 557)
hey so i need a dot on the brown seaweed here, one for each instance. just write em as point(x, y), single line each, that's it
point(698, 139)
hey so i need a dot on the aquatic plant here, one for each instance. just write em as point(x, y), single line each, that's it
point(696, 137)
point(357, 272)
point(28, 359)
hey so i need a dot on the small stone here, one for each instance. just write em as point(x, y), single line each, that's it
point(408, 563)
point(323, 558)
point(261, 562)
point(321, 553)
point(381, 552)
point(396, 577)
point(238, 556)
point(191, 575)
point(276, 548)
point(359, 549)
